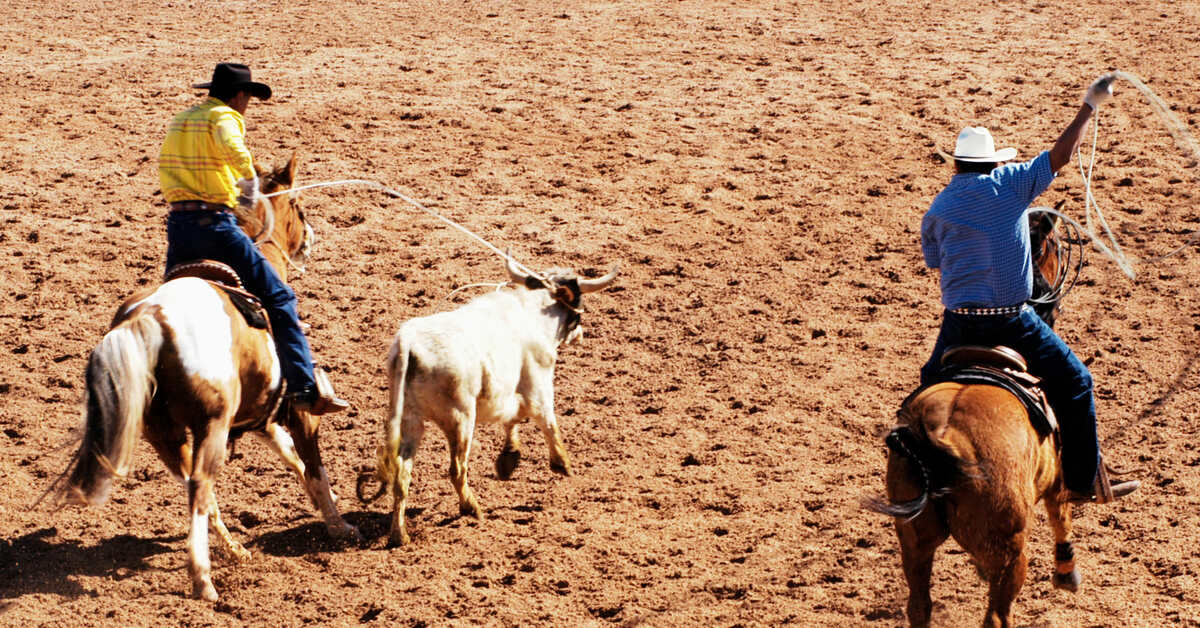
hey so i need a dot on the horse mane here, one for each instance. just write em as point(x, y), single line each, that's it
point(260, 219)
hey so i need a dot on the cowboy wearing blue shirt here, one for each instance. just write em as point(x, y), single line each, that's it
point(977, 234)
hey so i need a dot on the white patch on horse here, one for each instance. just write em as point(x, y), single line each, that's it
point(202, 332)
point(276, 366)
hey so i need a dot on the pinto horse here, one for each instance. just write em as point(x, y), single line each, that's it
point(965, 461)
point(180, 358)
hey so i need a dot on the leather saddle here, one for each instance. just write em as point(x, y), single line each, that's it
point(224, 277)
point(1003, 367)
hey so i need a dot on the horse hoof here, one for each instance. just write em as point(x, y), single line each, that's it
point(240, 553)
point(1068, 581)
point(398, 539)
point(347, 533)
point(205, 591)
point(469, 509)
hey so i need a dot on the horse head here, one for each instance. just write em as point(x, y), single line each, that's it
point(1047, 249)
point(282, 234)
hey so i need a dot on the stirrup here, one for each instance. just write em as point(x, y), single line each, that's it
point(326, 401)
point(1104, 492)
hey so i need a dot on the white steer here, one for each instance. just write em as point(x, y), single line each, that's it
point(491, 361)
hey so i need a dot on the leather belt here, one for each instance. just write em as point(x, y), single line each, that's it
point(194, 206)
point(989, 311)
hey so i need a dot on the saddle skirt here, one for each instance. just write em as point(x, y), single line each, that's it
point(222, 276)
point(1002, 367)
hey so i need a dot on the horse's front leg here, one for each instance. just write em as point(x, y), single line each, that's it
point(1066, 576)
point(304, 459)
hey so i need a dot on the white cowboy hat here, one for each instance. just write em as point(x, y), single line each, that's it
point(975, 143)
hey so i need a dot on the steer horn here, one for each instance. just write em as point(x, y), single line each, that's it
point(514, 273)
point(592, 285)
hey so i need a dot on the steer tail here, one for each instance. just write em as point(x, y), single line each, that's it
point(932, 469)
point(120, 383)
point(385, 465)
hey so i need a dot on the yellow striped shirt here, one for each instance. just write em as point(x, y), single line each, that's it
point(204, 155)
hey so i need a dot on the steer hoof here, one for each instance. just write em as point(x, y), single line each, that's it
point(506, 462)
point(1067, 581)
point(469, 509)
point(561, 467)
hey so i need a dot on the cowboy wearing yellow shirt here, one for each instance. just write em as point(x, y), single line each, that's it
point(204, 168)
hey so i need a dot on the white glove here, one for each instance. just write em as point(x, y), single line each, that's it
point(1099, 91)
point(247, 192)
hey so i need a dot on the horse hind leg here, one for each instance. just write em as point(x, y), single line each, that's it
point(1006, 574)
point(238, 550)
point(919, 540)
point(209, 454)
point(919, 536)
point(1066, 576)
point(313, 478)
point(176, 453)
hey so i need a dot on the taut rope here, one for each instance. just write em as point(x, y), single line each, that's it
point(410, 201)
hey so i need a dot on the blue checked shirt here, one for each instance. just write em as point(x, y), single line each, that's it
point(976, 233)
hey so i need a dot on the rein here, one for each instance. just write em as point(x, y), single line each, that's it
point(268, 227)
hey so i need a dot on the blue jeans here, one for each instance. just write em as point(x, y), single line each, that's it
point(215, 235)
point(1065, 379)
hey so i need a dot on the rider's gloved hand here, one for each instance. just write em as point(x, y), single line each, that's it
point(1099, 91)
point(247, 193)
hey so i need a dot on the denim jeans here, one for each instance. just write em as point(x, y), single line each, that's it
point(215, 235)
point(1065, 379)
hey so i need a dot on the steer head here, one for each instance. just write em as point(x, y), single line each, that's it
point(567, 290)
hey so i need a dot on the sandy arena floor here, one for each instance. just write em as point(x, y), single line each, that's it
point(759, 170)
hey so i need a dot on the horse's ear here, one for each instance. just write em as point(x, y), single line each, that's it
point(287, 174)
point(1042, 224)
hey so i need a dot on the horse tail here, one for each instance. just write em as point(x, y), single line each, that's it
point(120, 383)
point(936, 470)
point(385, 465)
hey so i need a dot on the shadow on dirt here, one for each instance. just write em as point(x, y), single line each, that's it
point(40, 562)
point(313, 537)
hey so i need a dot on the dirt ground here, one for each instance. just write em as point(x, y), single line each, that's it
point(759, 170)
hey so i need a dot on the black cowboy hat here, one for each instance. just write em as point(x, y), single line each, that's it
point(237, 76)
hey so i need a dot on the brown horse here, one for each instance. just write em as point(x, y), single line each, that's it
point(966, 462)
point(180, 358)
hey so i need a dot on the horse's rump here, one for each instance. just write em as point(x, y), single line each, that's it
point(211, 355)
point(930, 466)
point(954, 438)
